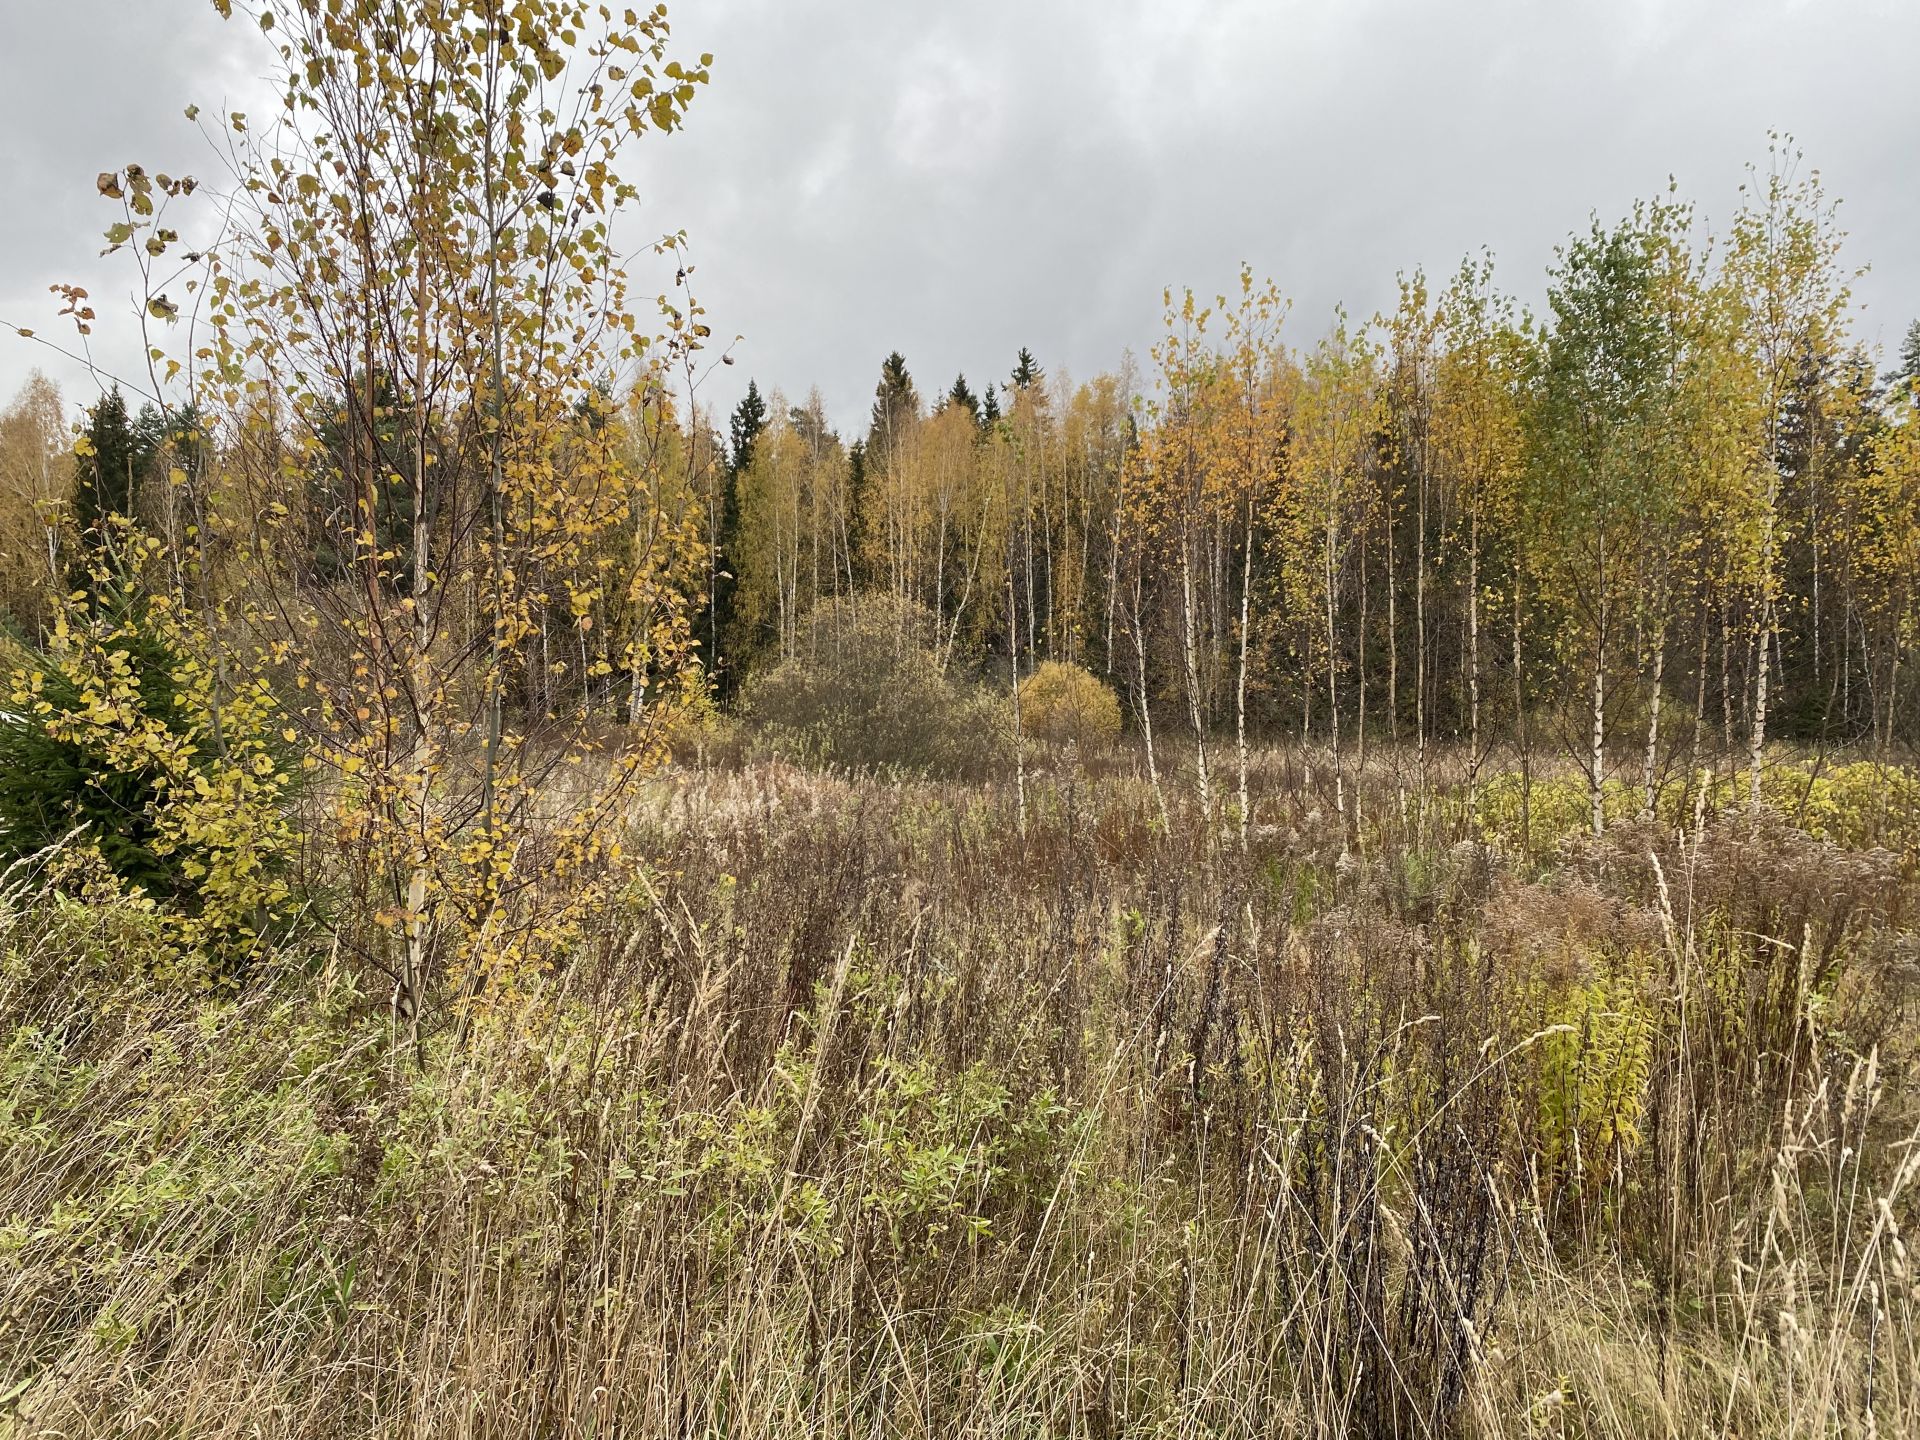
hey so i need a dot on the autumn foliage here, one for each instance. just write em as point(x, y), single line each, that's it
point(1352, 879)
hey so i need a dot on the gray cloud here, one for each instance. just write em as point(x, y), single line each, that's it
point(956, 182)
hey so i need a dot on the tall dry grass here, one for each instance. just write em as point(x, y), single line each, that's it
point(869, 1110)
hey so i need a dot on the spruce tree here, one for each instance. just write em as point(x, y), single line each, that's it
point(108, 469)
point(896, 404)
point(749, 419)
point(346, 435)
point(723, 533)
point(1910, 356)
point(962, 396)
point(109, 465)
point(1026, 372)
point(856, 507)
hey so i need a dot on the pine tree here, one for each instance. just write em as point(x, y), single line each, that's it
point(1026, 373)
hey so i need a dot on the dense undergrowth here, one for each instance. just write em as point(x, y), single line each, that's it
point(877, 1109)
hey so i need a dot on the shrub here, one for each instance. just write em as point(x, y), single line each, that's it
point(1856, 805)
point(116, 734)
point(1063, 703)
point(864, 690)
point(698, 733)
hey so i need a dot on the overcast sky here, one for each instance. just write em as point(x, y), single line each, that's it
point(958, 180)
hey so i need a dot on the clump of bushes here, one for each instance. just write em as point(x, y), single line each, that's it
point(698, 733)
point(122, 754)
point(1856, 804)
point(1066, 704)
point(865, 689)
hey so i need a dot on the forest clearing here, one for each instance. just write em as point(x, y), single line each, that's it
point(1350, 879)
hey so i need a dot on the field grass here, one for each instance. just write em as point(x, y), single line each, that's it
point(915, 1109)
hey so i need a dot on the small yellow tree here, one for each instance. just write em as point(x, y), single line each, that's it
point(429, 524)
point(1065, 704)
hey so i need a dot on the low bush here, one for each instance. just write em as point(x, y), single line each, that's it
point(1858, 804)
point(1065, 704)
point(866, 691)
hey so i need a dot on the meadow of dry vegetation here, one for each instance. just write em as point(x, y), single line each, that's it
point(1361, 886)
point(902, 1108)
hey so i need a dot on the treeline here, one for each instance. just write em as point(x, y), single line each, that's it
point(1673, 519)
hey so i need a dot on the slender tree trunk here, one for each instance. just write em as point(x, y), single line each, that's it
point(1019, 735)
point(1473, 665)
point(1649, 768)
point(1393, 633)
point(1146, 711)
point(1189, 643)
point(1113, 569)
point(1420, 643)
point(1757, 733)
point(1240, 685)
point(1520, 727)
point(1360, 689)
point(1699, 699)
point(1598, 759)
point(1727, 690)
point(1333, 687)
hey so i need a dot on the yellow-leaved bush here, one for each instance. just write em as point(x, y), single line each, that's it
point(129, 760)
point(1065, 703)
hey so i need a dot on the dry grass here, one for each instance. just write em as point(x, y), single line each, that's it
point(865, 1111)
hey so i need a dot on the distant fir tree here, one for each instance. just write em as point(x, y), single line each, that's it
point(810, 425)
point(896, 406)
point(336, 478)
point(962, 397)
point(110, 464)
point(749, 419)
point(1909, 369)
point(109, 469)
point(1026, 372)
point(855, 508)
point(723, 536)
point(990, 408)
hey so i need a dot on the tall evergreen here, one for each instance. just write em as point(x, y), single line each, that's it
point(349, 441)
point(108, 472)
point(723, 534)
point(1910, 356)
point(749, 419)
point(1026, 371)
point(856, 507)
point(896, 404)
point(118, 452)
point(962, 396)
